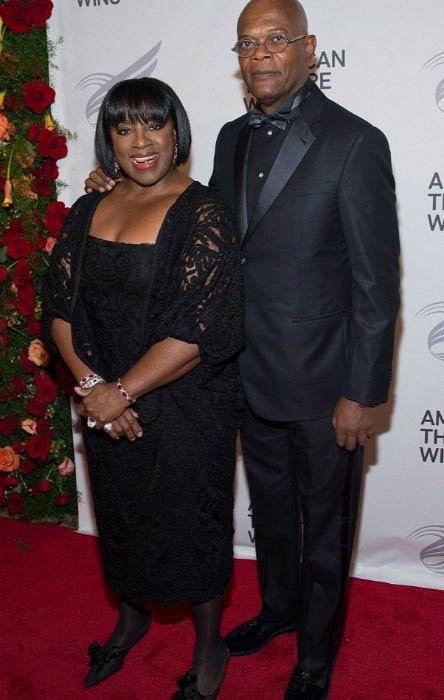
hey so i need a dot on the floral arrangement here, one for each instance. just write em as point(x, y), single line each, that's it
point(36, 468)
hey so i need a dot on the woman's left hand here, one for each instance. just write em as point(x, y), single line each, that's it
point(103, 403)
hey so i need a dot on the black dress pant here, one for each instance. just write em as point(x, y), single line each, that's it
point(305, 497)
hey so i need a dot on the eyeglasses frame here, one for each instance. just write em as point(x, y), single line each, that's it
point(290, 40)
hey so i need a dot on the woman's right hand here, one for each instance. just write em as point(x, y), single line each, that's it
point(126, 425)
point(98, 180)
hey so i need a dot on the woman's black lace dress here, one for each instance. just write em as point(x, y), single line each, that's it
point(164, 502)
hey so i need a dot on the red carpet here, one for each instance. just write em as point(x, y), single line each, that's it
point(53, 604)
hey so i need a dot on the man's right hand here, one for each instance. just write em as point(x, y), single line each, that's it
point(99, 181)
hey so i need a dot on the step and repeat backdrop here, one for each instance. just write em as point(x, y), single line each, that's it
point(382, 60)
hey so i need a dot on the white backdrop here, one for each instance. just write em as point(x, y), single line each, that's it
point(372, 60)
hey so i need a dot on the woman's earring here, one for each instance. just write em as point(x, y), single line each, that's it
point(116, 167)
point(176, 151)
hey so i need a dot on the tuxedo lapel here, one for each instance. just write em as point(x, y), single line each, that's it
point(240, 177)
point(298, 141)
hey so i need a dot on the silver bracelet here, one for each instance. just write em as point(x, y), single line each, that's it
point(91, 380)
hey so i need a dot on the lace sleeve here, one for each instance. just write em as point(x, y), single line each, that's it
point(208, 309)
point(57, 284)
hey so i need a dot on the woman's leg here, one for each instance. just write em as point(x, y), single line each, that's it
point(132, 623)
point(210, 652)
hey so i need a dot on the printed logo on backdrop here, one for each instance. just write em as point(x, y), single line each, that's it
point(435, 338)
point(431, 433)
point(143, 67)
point(437, 61)
point(321, 71)
point(435, 200)
point(432, 555)
point(97, 3)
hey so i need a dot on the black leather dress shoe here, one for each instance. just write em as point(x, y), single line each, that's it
point(308, 686)
point(254, 634)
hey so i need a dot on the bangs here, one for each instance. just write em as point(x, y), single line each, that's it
point(140, 100)
point(137, 101)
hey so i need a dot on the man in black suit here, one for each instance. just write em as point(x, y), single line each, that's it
point(314, 193)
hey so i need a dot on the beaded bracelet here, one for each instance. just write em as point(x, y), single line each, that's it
point(124, 393)
point(91, 380)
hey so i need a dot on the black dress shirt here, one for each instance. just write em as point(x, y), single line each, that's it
point(266, 142)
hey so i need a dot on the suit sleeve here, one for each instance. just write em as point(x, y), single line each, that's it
point(367, 205)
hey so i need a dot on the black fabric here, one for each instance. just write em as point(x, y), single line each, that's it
point(164, 502)
point(320, 263)
point(297, 473)
point(267, 140)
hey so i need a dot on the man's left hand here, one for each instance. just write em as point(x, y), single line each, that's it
point(354, 423)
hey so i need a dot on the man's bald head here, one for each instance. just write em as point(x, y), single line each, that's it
point(292, 8)
point(273, 76)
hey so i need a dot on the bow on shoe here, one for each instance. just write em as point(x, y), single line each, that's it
point(99, 656)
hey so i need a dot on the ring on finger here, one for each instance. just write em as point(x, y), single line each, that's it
point(108, 427)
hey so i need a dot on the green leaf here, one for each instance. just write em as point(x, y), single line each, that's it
point(3, 253)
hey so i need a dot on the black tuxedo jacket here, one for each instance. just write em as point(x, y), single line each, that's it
point(320, 260)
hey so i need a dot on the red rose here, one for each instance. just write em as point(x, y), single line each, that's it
point(43, 427)
point(18, 446)
point(34, 132)
point(48, 170)
point(4, 325)
point(51, 144)
point(42, 187)
point(46, 388)
point(35, 493)
point(27, 466)
point(26, 299)
point(38, 447)
point(3, 500)
point(26, 363)
point(11, 482)
point(34, 327)
point(44, 486)
point(8, 426)
point(62, 499)
point(5, 340)
point(37, 96)
point(39, 11)
point(22, 273)
point(55, 217)
point(16, 17)
point(15, 503)
point(18, 247)
point(4, 273)
point(36, 407)
point(18, 385)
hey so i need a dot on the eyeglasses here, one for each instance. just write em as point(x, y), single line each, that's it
point(275, 43)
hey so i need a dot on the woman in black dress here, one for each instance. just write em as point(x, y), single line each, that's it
point(144, 301)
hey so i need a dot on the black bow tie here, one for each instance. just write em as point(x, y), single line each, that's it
point(258, 118)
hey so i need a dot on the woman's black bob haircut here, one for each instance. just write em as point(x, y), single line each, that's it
point(140, 100)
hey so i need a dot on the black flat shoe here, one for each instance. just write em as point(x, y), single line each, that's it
point(254, 634)
point(308, 686)
point(104, 662)
point(187, 686)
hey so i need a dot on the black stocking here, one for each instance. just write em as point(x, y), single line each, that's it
point(132, 623)
point(209, 658)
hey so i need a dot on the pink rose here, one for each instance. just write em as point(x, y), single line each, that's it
point(66, 468)
point(49, 245)
point(29, 426)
